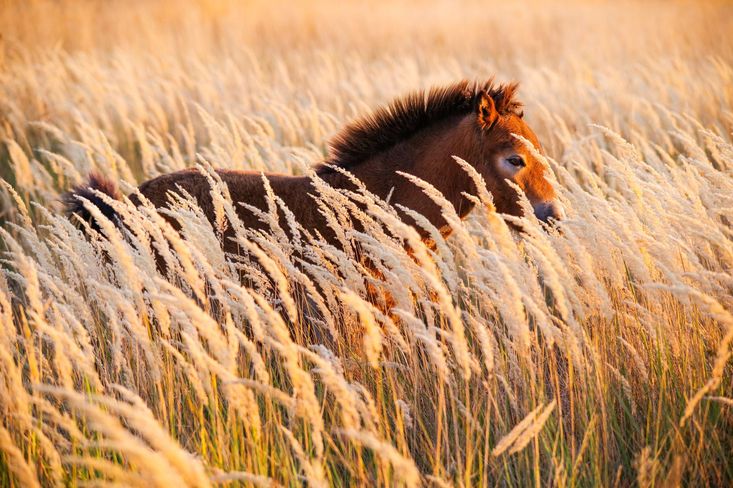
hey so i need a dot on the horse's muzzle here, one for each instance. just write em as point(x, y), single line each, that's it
point(548, 211)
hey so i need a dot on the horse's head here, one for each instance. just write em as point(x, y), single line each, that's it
point(496, 121)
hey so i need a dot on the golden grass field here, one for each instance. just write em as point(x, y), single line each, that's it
point(599, 356)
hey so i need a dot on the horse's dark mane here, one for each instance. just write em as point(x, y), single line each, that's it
point(403, 117)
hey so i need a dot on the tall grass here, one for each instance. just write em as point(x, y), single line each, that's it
point(599, 355)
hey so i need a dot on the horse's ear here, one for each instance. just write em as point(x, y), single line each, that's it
point(486, 110)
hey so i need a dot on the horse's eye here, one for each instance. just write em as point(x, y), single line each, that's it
point(515, 161)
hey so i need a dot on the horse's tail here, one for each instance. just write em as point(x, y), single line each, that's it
point(74, 200)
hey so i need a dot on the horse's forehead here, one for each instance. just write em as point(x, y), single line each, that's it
point(517, 125)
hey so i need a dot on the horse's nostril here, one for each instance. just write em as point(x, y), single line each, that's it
point(549, 210)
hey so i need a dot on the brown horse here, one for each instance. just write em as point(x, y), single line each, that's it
point(416, 134)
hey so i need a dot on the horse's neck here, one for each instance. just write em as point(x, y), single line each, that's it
point(427, 155)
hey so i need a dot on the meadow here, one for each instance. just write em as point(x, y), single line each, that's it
point(598, 354)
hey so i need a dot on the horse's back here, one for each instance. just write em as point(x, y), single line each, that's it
point(192, 182)
point(245, 187)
